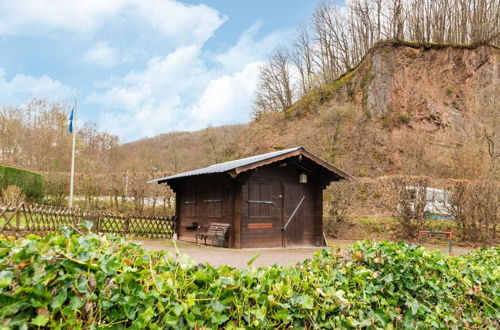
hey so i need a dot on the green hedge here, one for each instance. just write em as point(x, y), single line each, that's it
point(68, 280)
point(31, 183)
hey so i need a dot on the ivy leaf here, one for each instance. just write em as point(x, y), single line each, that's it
point(59, 300)
point(75, 303)
point(414, 305)
point(217, 306)
point(110, 265)
point(87, 225)
point(10, 305)
point(381, 317)
point(388, 278)
point(303, 301)
point(81, 285)
point(251, 261)
point(352, 322)
point(340, 295)
point(40, 320)
point(6, 278)
point(282, 314)
point(136, 288)
point(178, 309)
point(219, 318)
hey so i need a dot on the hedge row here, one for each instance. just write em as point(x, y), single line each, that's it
point(67, 280)
point(31, 183)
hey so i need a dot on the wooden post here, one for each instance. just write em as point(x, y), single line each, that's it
point(94, 216)
point(27, 217)
point(18, 221)
point(127, 225)
point(72, 178)
point(97, 222)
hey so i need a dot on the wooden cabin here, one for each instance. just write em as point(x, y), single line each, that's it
point(269, 200)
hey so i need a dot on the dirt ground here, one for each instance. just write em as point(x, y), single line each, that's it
point(267, 257)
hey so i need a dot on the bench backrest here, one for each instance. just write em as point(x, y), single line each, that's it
point(216, 228)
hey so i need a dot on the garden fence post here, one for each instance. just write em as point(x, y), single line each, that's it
point(93, 216)
point(18, 221)
point(98, 223)
point(127, 225)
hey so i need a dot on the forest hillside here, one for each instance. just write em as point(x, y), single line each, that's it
point(407, 108)
point(348, 88)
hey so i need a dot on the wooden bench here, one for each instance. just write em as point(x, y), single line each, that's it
point(216, 232)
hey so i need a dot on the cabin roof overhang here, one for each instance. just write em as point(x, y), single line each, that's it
point(236, 167)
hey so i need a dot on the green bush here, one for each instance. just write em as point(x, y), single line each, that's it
point(404, 118)
point(68, 280)
point(31, 183)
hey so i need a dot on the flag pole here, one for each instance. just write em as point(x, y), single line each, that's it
point(72, 179)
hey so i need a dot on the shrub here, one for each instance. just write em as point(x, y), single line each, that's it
point(66, 280)
point(12, 195)
point(404, 119)
point(339, 198)
point(387, 121)
point(475, 205)
point(32, 184)
point(56, 188)
point(394, 120)
point(120, 199)
point(405, 196)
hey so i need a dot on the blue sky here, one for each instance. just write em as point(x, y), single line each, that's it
point(143, 67)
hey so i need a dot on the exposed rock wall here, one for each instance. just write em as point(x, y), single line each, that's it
point(413, 104)
point(437, 86)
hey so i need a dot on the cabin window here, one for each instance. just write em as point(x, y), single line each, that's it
point(214, 201)
point(259, 200)
point(190, 202)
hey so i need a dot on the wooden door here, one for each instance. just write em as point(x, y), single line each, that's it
point(262, 218)
point(292, 196)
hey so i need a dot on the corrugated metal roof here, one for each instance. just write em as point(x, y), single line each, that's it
point(227, 166)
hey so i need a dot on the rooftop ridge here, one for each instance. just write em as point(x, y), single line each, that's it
point(240, 165)
point(268, 154)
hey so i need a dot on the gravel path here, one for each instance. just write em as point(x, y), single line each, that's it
point(239, 257)
point(233, 257)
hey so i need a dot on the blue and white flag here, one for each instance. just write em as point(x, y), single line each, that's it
point(70, 128)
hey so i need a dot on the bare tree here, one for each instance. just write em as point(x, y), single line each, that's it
point(275, 90)
point(338, 38)
point(302, 58)
point(333, 120)
point(220, 143)
point(36, 137)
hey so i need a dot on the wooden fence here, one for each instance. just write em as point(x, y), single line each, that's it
point(26, 219)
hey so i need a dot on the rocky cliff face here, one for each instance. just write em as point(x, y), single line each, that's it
point(409, 104)
point(436, 86)
point(406, 108)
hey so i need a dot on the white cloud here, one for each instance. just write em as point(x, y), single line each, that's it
point(154, 105)
point(102, 54)
point(195, 23)
point(183, 90)
point(162, 83)
point(249, 48)
point(172, 18)
point(226, 99)
point(21, 87)
point(151, 101)
point(28, 16)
